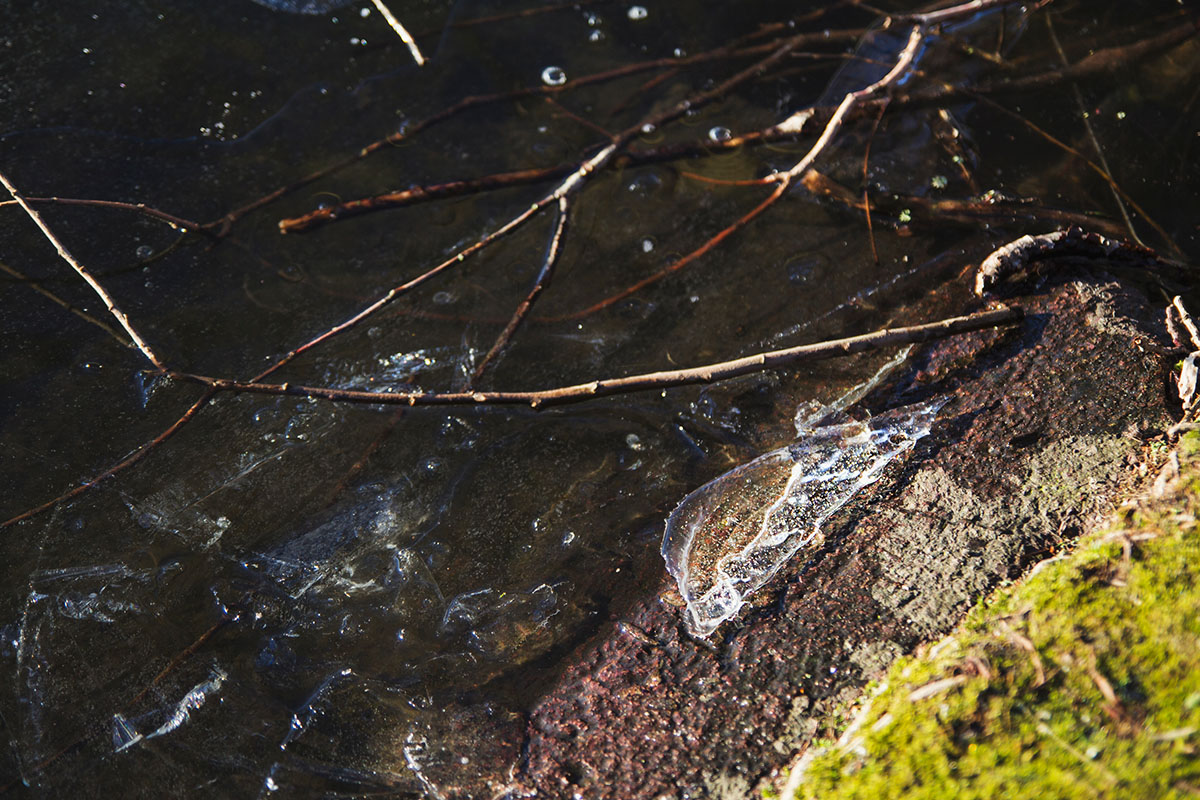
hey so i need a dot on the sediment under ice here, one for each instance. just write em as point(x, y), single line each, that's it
point(730, 536)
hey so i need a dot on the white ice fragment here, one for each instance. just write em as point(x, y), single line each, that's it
point(811, 414)
point(125, 735)
point(731, 536)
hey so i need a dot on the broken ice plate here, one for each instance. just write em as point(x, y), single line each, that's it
point(731, 536)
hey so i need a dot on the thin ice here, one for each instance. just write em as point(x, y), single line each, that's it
point(730, 536)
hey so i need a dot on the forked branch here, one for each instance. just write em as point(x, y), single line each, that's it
point(634, 383)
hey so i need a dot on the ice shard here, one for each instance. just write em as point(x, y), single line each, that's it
point(730, 536)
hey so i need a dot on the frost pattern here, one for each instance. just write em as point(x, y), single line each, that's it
point(730, 536)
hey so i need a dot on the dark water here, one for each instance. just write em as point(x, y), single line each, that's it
point(289, 594)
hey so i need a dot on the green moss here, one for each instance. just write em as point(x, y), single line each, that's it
point(1081, 681)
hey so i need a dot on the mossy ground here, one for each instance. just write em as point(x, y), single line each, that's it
point(1080, 681)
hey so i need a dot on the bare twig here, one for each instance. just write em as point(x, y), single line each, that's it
point(675, 266)
point(120, 466)
point(79, 312)
point(179, 223)
point(400, 31)
point(1021, 253)
point(421, 194)
point(1188, 322)
point(109, 303)
point(539, 285)
point(824, 38)
point(852, 99)
point(1026, 644)
point(934, 688)
point(655, 380)
point(1091, 134)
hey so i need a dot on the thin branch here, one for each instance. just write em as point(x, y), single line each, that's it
point(109, 303)
point(852, 99)
point(780, 188)
point(128, 461)
point(400, 31)
point(179, 223)
point(421, 194)
point(953, 12)
point(79, 312)
point(826, 38)
point(1099, 63)
point(571, 184)
point(634, 383)
point(1091, 134)
point(539, 285)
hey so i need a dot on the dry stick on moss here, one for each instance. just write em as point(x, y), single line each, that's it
point(539, 285)
point(1026, 644)
point(109, 303)
point(635, 383)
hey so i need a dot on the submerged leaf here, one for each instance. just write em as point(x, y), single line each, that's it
point(730, 536)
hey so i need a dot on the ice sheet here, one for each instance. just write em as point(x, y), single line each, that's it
point(730, 536)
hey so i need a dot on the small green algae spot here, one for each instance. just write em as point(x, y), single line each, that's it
point(1082, 680)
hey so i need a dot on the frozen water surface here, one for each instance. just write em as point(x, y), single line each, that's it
point(389, 594)
point(730, 536)
point(305, 6)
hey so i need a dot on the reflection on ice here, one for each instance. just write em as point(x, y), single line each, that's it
point(730, 536)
